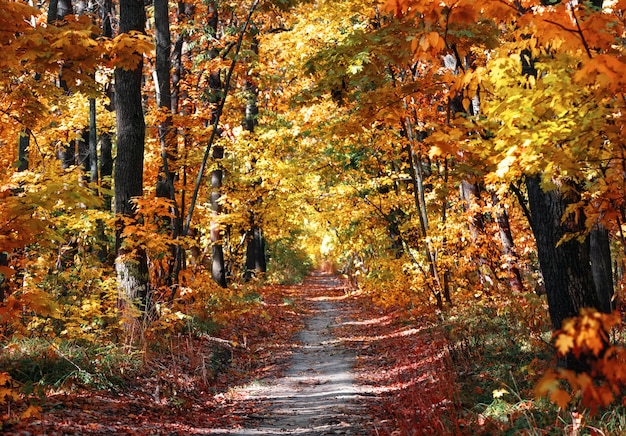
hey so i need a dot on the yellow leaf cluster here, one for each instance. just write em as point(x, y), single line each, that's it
point(127, 49)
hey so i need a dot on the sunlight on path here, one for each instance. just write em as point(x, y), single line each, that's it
point(318, 394)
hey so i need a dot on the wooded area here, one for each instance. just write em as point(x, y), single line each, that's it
point(166, 164)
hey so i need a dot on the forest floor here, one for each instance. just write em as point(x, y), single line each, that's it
point(317, 360)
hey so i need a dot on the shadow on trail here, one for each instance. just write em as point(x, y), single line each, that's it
point(318, 394)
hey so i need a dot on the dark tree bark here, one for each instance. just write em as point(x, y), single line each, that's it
point(255, 253)
point(106, 167)
point(132, 270)
point(572, 269)
point(566, 267)
point(106, 145)
point(93, 143)
point(218, 268)
point(255, 242)
point(22, 151)
point(58, 9)
point(601, 267)
point(167, 134)
point(185, 11)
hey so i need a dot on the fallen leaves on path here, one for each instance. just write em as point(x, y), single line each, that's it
point(176, 394)
point(409, 385)
point(402, 362)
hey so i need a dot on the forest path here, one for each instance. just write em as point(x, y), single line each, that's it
point(318, 394)
point(319, 360)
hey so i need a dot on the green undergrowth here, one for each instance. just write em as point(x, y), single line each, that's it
point(498, 360)
point(38, 364)
point(289, 265)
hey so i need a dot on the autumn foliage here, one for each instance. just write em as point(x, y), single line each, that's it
point(444, 156)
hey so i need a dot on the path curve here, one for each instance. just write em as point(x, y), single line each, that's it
point(318, 394)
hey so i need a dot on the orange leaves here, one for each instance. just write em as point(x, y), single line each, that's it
point(605, 70)
point(127, 49)
point(549, 386)
point(464, 13)
point(444, 142)
point(399, 7)
point(428, 42)
point(586, 339)
point(586, 333)
point(564, 344)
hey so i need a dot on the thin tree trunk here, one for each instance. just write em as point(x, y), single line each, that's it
point(218, 268)
point(167, 135)
point(508, 246)
point(93, 143)
point(415, 171)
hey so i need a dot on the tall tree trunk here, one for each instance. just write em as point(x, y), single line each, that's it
point(218, 268)
point(167, 136)
point(131, 266)
point(255, 242)
point(106, 144)
point(93, 143)
point(566, 266)
point(185, 11)
point(439, 289)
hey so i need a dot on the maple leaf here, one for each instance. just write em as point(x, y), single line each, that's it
point(31, 412)
point(564, 343)
point(560, 397)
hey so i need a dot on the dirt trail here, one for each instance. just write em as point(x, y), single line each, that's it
point(318, 394)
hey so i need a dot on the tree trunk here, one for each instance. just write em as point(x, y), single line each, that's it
point(255, 253)
point(58, 9)
point(601, 266)
point(93, 143)
point(106, 167)
point(508, 246)
point(255, 243)
point(167, 134)
point(215, 84)
point(218, 268)
point(132, 270)
point(566, 266)
point(22, 150)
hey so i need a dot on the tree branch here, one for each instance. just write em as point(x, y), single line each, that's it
point(218, 115)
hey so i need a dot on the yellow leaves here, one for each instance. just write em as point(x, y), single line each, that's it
point(564, 344)
point(499, 393)
point(127, 49)
point(585, 333)
point(444, 142)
